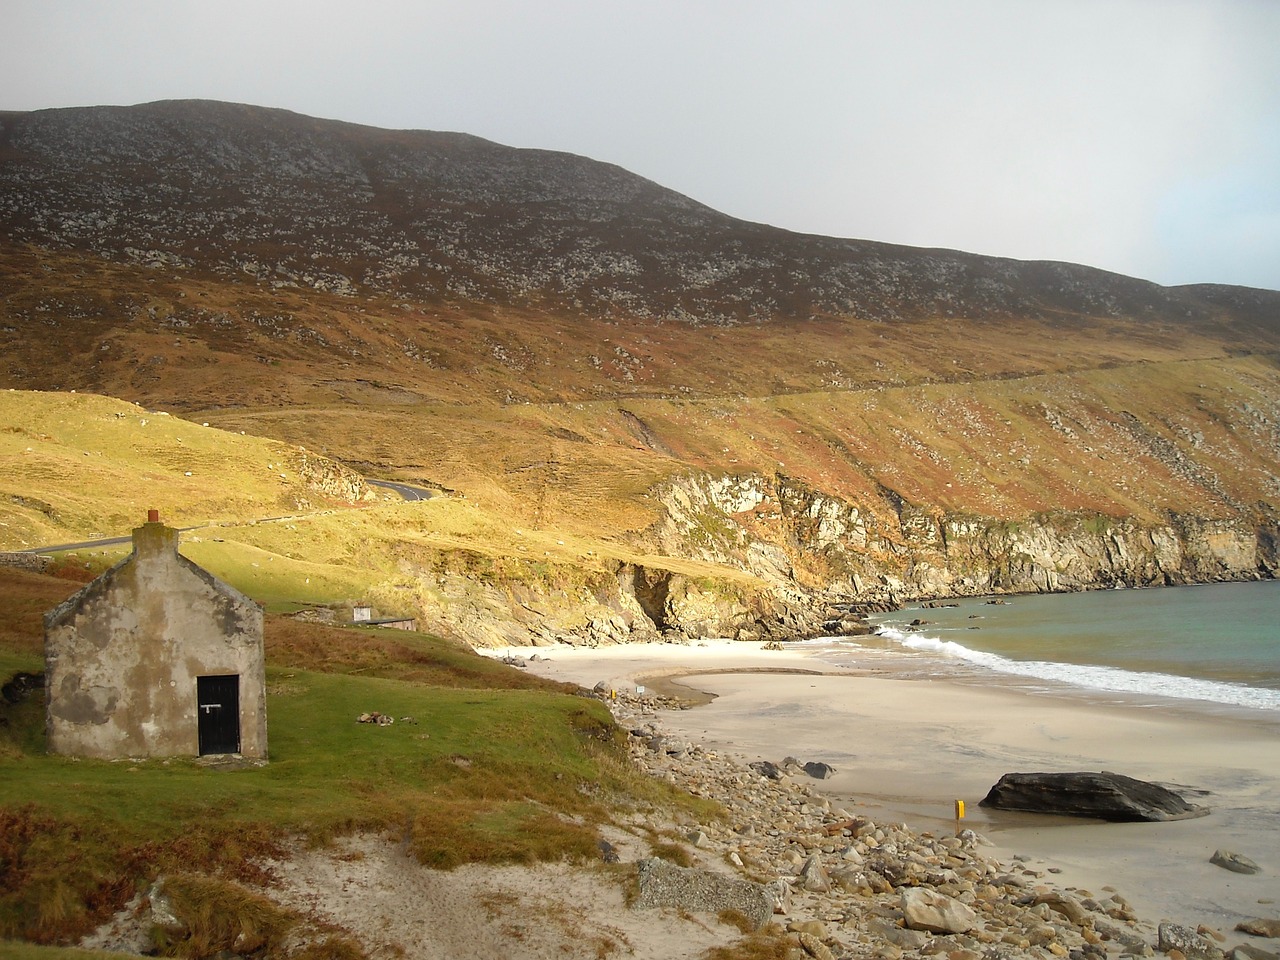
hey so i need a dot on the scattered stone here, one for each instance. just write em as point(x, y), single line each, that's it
point(1103, 796)
point(779, 893)
point(1247, 951)
point(664, 884)
point(815, 947)
point(813, 877)
point(815, 928)
point(819, 770)
point(779, 826)
point(161, 907)
point(1173, 936)
point(374, 717)
point(928, 910)
point(1235, 862)
point(1260, 927)
point(1068, 906)
point(767, 768)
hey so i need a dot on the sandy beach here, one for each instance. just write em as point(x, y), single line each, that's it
point(905, 748)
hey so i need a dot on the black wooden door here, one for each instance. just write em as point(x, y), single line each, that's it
point(218, 703)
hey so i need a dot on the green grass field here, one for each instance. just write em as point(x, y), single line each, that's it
point(483, 764)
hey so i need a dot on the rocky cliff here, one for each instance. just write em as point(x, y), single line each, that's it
point(799, 539)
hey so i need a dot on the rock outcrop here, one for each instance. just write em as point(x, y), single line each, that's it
point(887, 551)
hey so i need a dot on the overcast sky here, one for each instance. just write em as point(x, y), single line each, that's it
point(1140, 136)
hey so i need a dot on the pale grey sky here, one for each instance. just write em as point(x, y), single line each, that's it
point(1140, 136)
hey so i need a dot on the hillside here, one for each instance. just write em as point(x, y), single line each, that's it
point(640, 383)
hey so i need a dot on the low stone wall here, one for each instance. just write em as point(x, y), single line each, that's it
point(26, 561)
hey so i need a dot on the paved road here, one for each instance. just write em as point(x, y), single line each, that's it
point(89, 544)
point(83, 545)
point(404, 489)
point(407, 491)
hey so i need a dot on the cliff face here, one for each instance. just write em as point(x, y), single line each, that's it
point(801, 540)
point(813, 558)
point(515, 604)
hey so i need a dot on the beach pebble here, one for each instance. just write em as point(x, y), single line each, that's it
point(1235, 862)
point(1247, 951)
point(1260, 927)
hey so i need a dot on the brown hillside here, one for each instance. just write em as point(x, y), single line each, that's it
point(557, 338)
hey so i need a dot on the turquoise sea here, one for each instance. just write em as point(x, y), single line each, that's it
point(1216, 643)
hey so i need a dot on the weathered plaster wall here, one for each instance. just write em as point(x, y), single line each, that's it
point(122, 656)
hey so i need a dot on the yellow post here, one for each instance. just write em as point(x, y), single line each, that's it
point(959, 809)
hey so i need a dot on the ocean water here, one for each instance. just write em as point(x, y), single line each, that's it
point(1216, 643)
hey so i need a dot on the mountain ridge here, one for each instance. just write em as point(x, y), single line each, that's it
point(449, 217)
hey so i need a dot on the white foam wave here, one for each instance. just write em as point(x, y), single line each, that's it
point(1094, 677)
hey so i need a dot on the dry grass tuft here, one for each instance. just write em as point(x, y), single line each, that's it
point(217, 915)
point(771, 943)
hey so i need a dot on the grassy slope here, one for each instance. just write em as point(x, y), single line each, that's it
point(494, 765)
point(563, 486)
point(1118, 441)
point(562, 424)
point(66, 458)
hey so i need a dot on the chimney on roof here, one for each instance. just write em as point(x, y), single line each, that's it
point(153, 537)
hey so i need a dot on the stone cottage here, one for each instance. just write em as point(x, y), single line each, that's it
point(156, 657)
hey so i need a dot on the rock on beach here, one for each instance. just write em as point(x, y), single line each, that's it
point(1104, 796)
point(852, 887)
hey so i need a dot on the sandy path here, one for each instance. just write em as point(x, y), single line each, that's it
point(399, 910)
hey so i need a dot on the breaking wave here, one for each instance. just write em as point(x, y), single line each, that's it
point(1090, 676)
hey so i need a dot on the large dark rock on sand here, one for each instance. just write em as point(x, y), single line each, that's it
point(1103, 796)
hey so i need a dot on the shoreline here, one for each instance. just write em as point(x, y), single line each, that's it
point(906, 746)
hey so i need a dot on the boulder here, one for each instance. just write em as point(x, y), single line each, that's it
point(664, 884)
point(819, 770)
point(767, 768)
point(1103, 796)
point(1172, 936)
point(928, 910)
point(1235, 862)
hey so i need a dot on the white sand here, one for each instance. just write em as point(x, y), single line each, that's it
point(906, 749)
